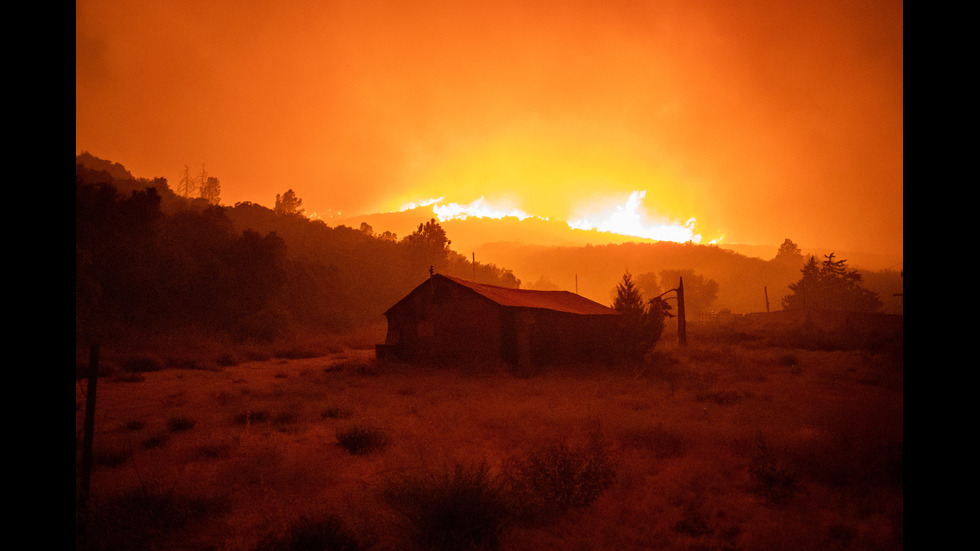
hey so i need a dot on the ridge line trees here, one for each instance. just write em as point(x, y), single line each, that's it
point(829, 285)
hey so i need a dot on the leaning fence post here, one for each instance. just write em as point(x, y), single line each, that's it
point(93, 378)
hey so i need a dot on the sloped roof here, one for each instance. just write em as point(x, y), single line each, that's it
point(561, 301)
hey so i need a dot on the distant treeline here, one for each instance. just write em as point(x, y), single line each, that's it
point(148, 259)
point(727, 280)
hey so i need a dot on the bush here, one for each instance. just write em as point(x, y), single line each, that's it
point(464, 508)
point(771, 478)
point(249, 417)
point(307, 534)
point(142, 364)
point(361, 440)
point(555, 478)
point(180, 424)
point(154, 441)
point(336, 413)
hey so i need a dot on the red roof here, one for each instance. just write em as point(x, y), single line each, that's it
point(561, 301)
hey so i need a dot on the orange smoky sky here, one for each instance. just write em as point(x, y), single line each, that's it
point(761, 119)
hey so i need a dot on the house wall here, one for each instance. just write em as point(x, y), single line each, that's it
point(558, 337)
point(441, 321)
point(444, 322)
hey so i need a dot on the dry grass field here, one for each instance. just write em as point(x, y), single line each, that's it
point(738, 441)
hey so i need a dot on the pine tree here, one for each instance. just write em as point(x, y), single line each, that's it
point(628, 300)
point(288, 203)
point(830, 286)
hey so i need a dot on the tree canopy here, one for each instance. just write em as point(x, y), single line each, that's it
point(288, 203)
point(642, 323)
point(829, 285)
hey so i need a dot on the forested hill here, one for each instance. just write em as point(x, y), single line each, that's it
point(148, 259)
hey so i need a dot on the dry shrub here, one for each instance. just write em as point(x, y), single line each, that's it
point(142, 363)
point(308, 534)
point(362, 440)
point(180, 424)
point(465, 507)
point(333, 412)
point(248, 417)
point(154, 441)
point(553, 478)
point(213, 451)
point(772, 477)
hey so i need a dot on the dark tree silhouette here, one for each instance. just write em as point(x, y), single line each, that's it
point(789, 252)
point(211, 190)
point(658, 310)
point(830, 286)
point(629, 300)
point(288, 203)
point(699, 292)
point(642, 325)
point(429, 245)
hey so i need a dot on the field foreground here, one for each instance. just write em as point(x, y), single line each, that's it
point(723, 444)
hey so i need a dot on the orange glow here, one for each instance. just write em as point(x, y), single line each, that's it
point(628, 219)
point(760, 120)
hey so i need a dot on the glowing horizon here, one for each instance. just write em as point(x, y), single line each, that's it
point(628, 219)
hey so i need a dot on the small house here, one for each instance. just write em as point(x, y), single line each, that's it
point(446, 319)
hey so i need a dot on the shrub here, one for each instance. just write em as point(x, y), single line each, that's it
point(463, 508)
point(555, 478)
point(154, 441)
point(180, 424)
point(308, 534)
point(789, 360)
point(249, 417)
point(142, 364)
point(771, 478)
point(213, 451)
point(336, 413)
point(361, 440)
point(135, 424)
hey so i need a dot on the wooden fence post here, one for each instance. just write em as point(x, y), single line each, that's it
point(681, 321)
point(86, 474)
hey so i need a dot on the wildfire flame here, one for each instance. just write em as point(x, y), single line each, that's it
point(627, 219)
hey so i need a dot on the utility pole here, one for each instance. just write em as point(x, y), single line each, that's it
point(766, 291)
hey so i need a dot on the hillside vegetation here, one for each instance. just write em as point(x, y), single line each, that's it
point(150, 262)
